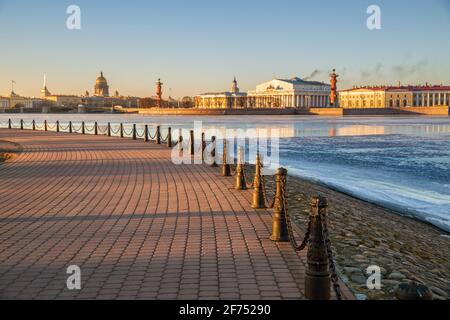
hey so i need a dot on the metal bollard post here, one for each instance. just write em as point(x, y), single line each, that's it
point(34, 125)
point(134, 132)
point(45, 125)
point(203, 146)
point(121, 130)
point(279, 228)
point(169, 138)
point(192, 143)
point(21, 124)
point(258, 192)
point(180, 144)
point(96, 128)
point(146, 133)
point(57, 125)
point(70, 127)
point(213, 151)
point(109, 129)
point(226, 168)
point(158, 135)
point(318, 279)
point(83, 128)
point(241, 183)
point(9, 124)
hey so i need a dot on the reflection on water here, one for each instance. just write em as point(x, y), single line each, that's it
point(287, 126)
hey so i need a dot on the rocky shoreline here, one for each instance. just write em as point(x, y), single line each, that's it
point(364, 234)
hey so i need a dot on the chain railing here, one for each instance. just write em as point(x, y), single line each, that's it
point(321, 269)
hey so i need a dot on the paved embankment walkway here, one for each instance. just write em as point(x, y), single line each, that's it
point(137, 225)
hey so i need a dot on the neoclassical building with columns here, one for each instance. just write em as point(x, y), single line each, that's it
point(395, 97)
point(276, 93)
point(290, 93)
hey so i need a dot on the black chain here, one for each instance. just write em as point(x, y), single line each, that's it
point(334, 276)
point(250, 185)
point(166, 139)
point(154, 136)
point(294, 244)
point(140, 135)
point(77, 130)
point(114, 131)
point(272, 204)
point(101, 131)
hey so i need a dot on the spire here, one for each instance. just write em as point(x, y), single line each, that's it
point(45, 80)
point(101, 73)
point(234, 87)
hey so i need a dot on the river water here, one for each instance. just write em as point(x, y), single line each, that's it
point(402, 163)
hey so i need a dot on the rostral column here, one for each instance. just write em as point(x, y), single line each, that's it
point(159, 93)
point(333, 95)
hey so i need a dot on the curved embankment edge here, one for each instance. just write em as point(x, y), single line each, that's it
point(9, 150)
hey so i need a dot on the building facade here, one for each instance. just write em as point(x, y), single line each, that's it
point(277, 93)
point(17, 101)
point(395, 97)
point(222, 100)
point(291, 93)
point(4, 103)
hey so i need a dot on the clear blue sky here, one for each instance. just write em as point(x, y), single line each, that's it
point(196, 46)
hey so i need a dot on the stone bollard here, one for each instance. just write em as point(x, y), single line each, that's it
point(70, 127)
point(258, 192)
point(57, 125)
point(213, 151)
point(318, 279)
point(9, 124)
point(413, 291)
point(121, 130)
point(33, 123)
point(21, 124)
point(96, 128)
point(226, 168)
point(45, 125)
point(169, 137)
point(279, 228)
point(109, 129)
point(241, 183)
point(134, 132)
point(158, 135)
point(192, 143)
point(83, 128)
point(146, 133)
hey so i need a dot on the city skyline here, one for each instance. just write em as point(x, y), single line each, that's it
point(195, 50)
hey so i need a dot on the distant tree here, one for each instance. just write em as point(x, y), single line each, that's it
point(187, 102)
point(19, 105)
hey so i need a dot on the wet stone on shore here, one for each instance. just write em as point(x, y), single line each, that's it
point(364, 234)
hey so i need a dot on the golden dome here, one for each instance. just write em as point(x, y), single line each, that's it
point(101, 79)
point(101, 86)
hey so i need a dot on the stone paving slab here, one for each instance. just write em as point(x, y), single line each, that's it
point(138, 226)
